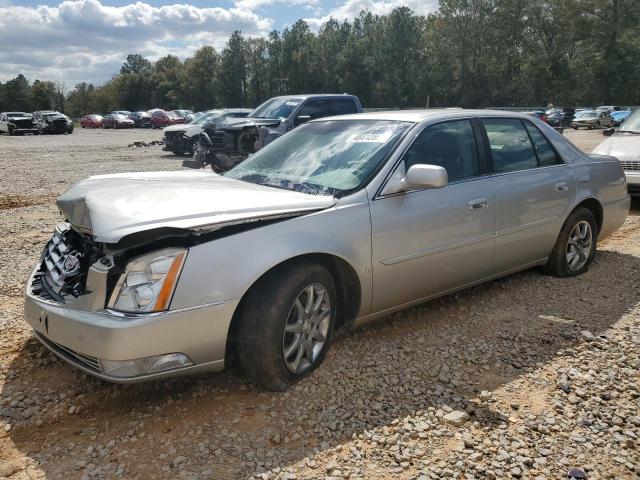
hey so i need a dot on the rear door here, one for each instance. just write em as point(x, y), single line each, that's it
point(429, 241)
point(534, 189)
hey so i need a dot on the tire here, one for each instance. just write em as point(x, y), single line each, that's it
point(558, 263)
point(269, 307)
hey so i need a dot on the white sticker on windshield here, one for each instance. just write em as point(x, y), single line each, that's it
point(370, 137)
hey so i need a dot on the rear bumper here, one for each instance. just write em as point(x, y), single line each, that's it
point(83, 338)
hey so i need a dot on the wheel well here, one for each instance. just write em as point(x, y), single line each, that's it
point(595, 207)
point(348, 290)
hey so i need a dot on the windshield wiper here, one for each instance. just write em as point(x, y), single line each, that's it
point(635, 132)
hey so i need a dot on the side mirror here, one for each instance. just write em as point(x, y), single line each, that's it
point(421, 177)
point(301, 119)
point(607, 132)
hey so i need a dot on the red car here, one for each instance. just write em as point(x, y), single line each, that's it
point(91, 121)
point(160, 119)
point(117, 120)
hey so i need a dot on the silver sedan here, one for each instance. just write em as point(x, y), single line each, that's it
point(338, 222)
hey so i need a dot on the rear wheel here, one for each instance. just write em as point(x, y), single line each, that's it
point(575, 247)
point(286, 323)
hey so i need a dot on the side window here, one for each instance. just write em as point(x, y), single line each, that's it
point(511, 148)
point(343, 106)
point(316, 109)
point(546, 154)
point(451, 145)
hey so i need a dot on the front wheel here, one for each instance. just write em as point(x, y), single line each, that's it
point(286, 324)
point(575, 247)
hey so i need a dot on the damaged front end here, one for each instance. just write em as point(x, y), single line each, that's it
point(225, 146)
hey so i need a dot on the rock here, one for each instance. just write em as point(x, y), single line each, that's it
point(457, 417)
point(587, 335)
point(8, 468)
point(576, 473)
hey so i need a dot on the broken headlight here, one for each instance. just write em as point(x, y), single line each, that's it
point(148, 283)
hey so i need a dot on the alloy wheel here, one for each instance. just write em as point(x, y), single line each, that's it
point(579, 245)
point(305, 333)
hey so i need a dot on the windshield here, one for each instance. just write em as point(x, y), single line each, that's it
point(52, 115)
point(276, 108)
point(323, 158)
point(587, 114)
point(631, 123)
point(17, 114)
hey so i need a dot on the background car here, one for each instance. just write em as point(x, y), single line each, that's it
point(141, 119)
point(560, 116)
point(91, 121)
point(619, 116)
point(161, 118)
point(126, 113)
point(17, 123)
point(50, 121)
point(591, 119)
point(187, 115)
point(230, 142)
point(182, 139)
point(624, 144)
point(538, 114)
point(117, 120)
point(608, 108)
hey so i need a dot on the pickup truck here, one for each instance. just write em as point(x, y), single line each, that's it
point(17, 123)
point(223, 146)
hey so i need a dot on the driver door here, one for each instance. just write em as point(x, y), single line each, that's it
point(426, 242)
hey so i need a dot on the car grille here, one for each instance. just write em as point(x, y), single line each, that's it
point(59, 125)
point(92, 363)
point(22, 123)
point(64, 266)
point(630, 165)
point(170, 137)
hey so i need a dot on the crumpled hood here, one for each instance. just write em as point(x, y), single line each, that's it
point(11, 119)
point(189, 130)
point(623, 146)
point(113, 206)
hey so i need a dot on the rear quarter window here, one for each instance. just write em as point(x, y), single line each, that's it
point(546, 154)
point(343, 106)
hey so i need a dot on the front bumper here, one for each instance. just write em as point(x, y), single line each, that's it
point(24, 130)
point(633, 183)
point(84, 337)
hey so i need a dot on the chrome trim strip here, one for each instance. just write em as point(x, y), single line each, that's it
point(431, 251)
point(519, 228)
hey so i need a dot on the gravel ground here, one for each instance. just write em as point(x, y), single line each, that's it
point(524, 377)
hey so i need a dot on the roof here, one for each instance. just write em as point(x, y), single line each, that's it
point(305, 96)
point(420, 115)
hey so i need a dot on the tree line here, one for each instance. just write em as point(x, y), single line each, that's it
point(470, 53)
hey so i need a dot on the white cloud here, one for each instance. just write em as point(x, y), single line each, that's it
point(254, 5)
point(352, 8)
point(84, 40)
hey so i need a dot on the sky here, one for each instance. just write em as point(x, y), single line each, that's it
point(88, 40)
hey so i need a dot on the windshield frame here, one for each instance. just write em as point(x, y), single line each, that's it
point(339, 193)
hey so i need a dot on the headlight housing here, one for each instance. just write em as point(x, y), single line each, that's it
point(148, 283)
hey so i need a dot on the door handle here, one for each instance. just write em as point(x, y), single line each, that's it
point(478, 203)
point(561, 187)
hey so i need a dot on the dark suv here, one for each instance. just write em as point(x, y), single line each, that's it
point(227, 144)
point(49, 121)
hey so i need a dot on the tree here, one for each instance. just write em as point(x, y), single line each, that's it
point(200, 81)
